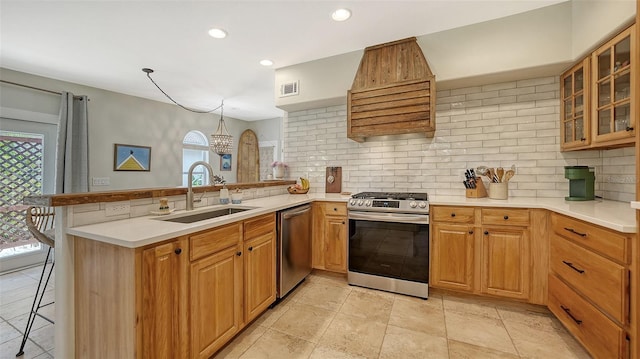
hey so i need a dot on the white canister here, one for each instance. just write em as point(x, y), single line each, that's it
point(236, 197)
point(499, 190)
point(224, 196)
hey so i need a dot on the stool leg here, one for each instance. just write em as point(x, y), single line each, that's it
point(37, 299)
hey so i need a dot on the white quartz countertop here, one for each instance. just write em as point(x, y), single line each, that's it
point(615, 215)
point(142, 231)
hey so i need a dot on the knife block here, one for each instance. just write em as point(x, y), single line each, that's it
point(478, 192)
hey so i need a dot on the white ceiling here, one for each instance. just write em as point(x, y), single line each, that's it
point(105, 44)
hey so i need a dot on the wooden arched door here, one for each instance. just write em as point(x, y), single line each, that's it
point(248, 158)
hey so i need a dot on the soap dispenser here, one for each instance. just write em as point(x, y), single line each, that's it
point(224, 195)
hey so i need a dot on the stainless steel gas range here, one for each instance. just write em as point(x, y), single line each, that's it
point(389, 242)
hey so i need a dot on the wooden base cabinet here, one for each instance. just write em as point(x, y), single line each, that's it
point(487, 251)
point(329, 244)
point(182, 298)
point(164, 320)
point(505, 262)
point(216, 301)
point(259, 265)
point(589, 285)
point(452, 252)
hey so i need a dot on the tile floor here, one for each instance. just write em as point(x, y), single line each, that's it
point(17, 290)
point(325, 318)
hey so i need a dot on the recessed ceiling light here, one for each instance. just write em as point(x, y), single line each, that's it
point(217, 33)
point(266, 62)
point(341, 15)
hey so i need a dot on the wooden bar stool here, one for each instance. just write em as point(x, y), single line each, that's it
point(40, 222)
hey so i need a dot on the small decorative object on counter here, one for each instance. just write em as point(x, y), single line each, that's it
point(164, 205)
point(224, 195)
point(279, 169)
point(301, 188)
point(236, 197)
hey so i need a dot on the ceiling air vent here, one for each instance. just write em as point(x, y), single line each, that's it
point(289, 89)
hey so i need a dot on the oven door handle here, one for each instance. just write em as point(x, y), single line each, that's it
point(389, 217)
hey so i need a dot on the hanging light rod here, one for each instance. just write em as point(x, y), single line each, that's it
point(149, 71)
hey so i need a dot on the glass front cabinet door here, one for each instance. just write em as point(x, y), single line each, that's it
point(613, 107)
point(575, 115)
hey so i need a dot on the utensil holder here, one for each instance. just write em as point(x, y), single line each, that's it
point(499, 190)
point(479, 192)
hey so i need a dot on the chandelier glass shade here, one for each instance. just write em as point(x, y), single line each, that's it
point(221, 140)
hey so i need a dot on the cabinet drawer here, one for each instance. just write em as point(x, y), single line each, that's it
point(205, 243)
point(602, 337)
point(452, 214)
point(607, 242)
point(597, 278)
point(509, 216)
point(258, 226)
point(334, 208)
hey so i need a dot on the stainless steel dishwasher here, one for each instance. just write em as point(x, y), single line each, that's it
point(294, 247)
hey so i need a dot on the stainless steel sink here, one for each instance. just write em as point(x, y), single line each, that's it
point(201, 216)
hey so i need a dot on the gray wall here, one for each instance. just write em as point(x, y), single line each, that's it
point(119, 118)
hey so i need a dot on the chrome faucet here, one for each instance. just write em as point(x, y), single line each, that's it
point(190, 181)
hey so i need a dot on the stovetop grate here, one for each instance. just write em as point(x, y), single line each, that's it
point(392, 195)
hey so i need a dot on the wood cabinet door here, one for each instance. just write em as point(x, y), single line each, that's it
point(162, 310)
point(317, 235)
point(216, 301)
point(613, 98)
point(259, 274)
point(505, 262)
point(452, 249)
point(335, 241)
point(575, 114)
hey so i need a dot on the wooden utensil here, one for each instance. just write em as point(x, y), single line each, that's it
point(492, 173)
point(508, 175)
point(500, 173)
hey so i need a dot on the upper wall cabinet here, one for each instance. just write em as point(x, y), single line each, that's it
point(598, 105)
point(574, 89)
point(393, 92)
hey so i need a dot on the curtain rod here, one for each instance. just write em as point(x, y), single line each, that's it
point(35, 88)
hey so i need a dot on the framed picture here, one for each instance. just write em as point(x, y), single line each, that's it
point(225, 162)
point(131, 158)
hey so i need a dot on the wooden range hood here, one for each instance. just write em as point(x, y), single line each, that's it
point(393, 92)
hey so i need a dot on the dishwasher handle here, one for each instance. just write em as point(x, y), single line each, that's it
point(295, 213)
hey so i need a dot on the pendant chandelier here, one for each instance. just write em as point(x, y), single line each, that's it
point(221, 140)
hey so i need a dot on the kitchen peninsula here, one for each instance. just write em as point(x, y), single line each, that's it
point(116, 251)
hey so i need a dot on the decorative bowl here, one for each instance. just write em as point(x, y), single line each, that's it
point(294, 190)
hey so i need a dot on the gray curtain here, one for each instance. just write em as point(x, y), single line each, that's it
point(72, 154)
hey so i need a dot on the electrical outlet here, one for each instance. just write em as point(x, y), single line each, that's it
point(117, 208)
point(101, 181)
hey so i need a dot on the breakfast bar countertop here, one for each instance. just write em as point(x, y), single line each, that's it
point(141, 231)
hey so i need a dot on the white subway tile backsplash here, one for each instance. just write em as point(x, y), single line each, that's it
point(495, 125)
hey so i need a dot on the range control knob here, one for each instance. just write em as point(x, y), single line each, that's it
point(360, 202)
point(413, 204)
point(352, 202)
point(367, 203)
point(422, 204)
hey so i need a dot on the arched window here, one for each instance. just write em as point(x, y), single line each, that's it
point(195, 147)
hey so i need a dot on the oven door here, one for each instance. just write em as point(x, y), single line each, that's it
point(391, 245)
